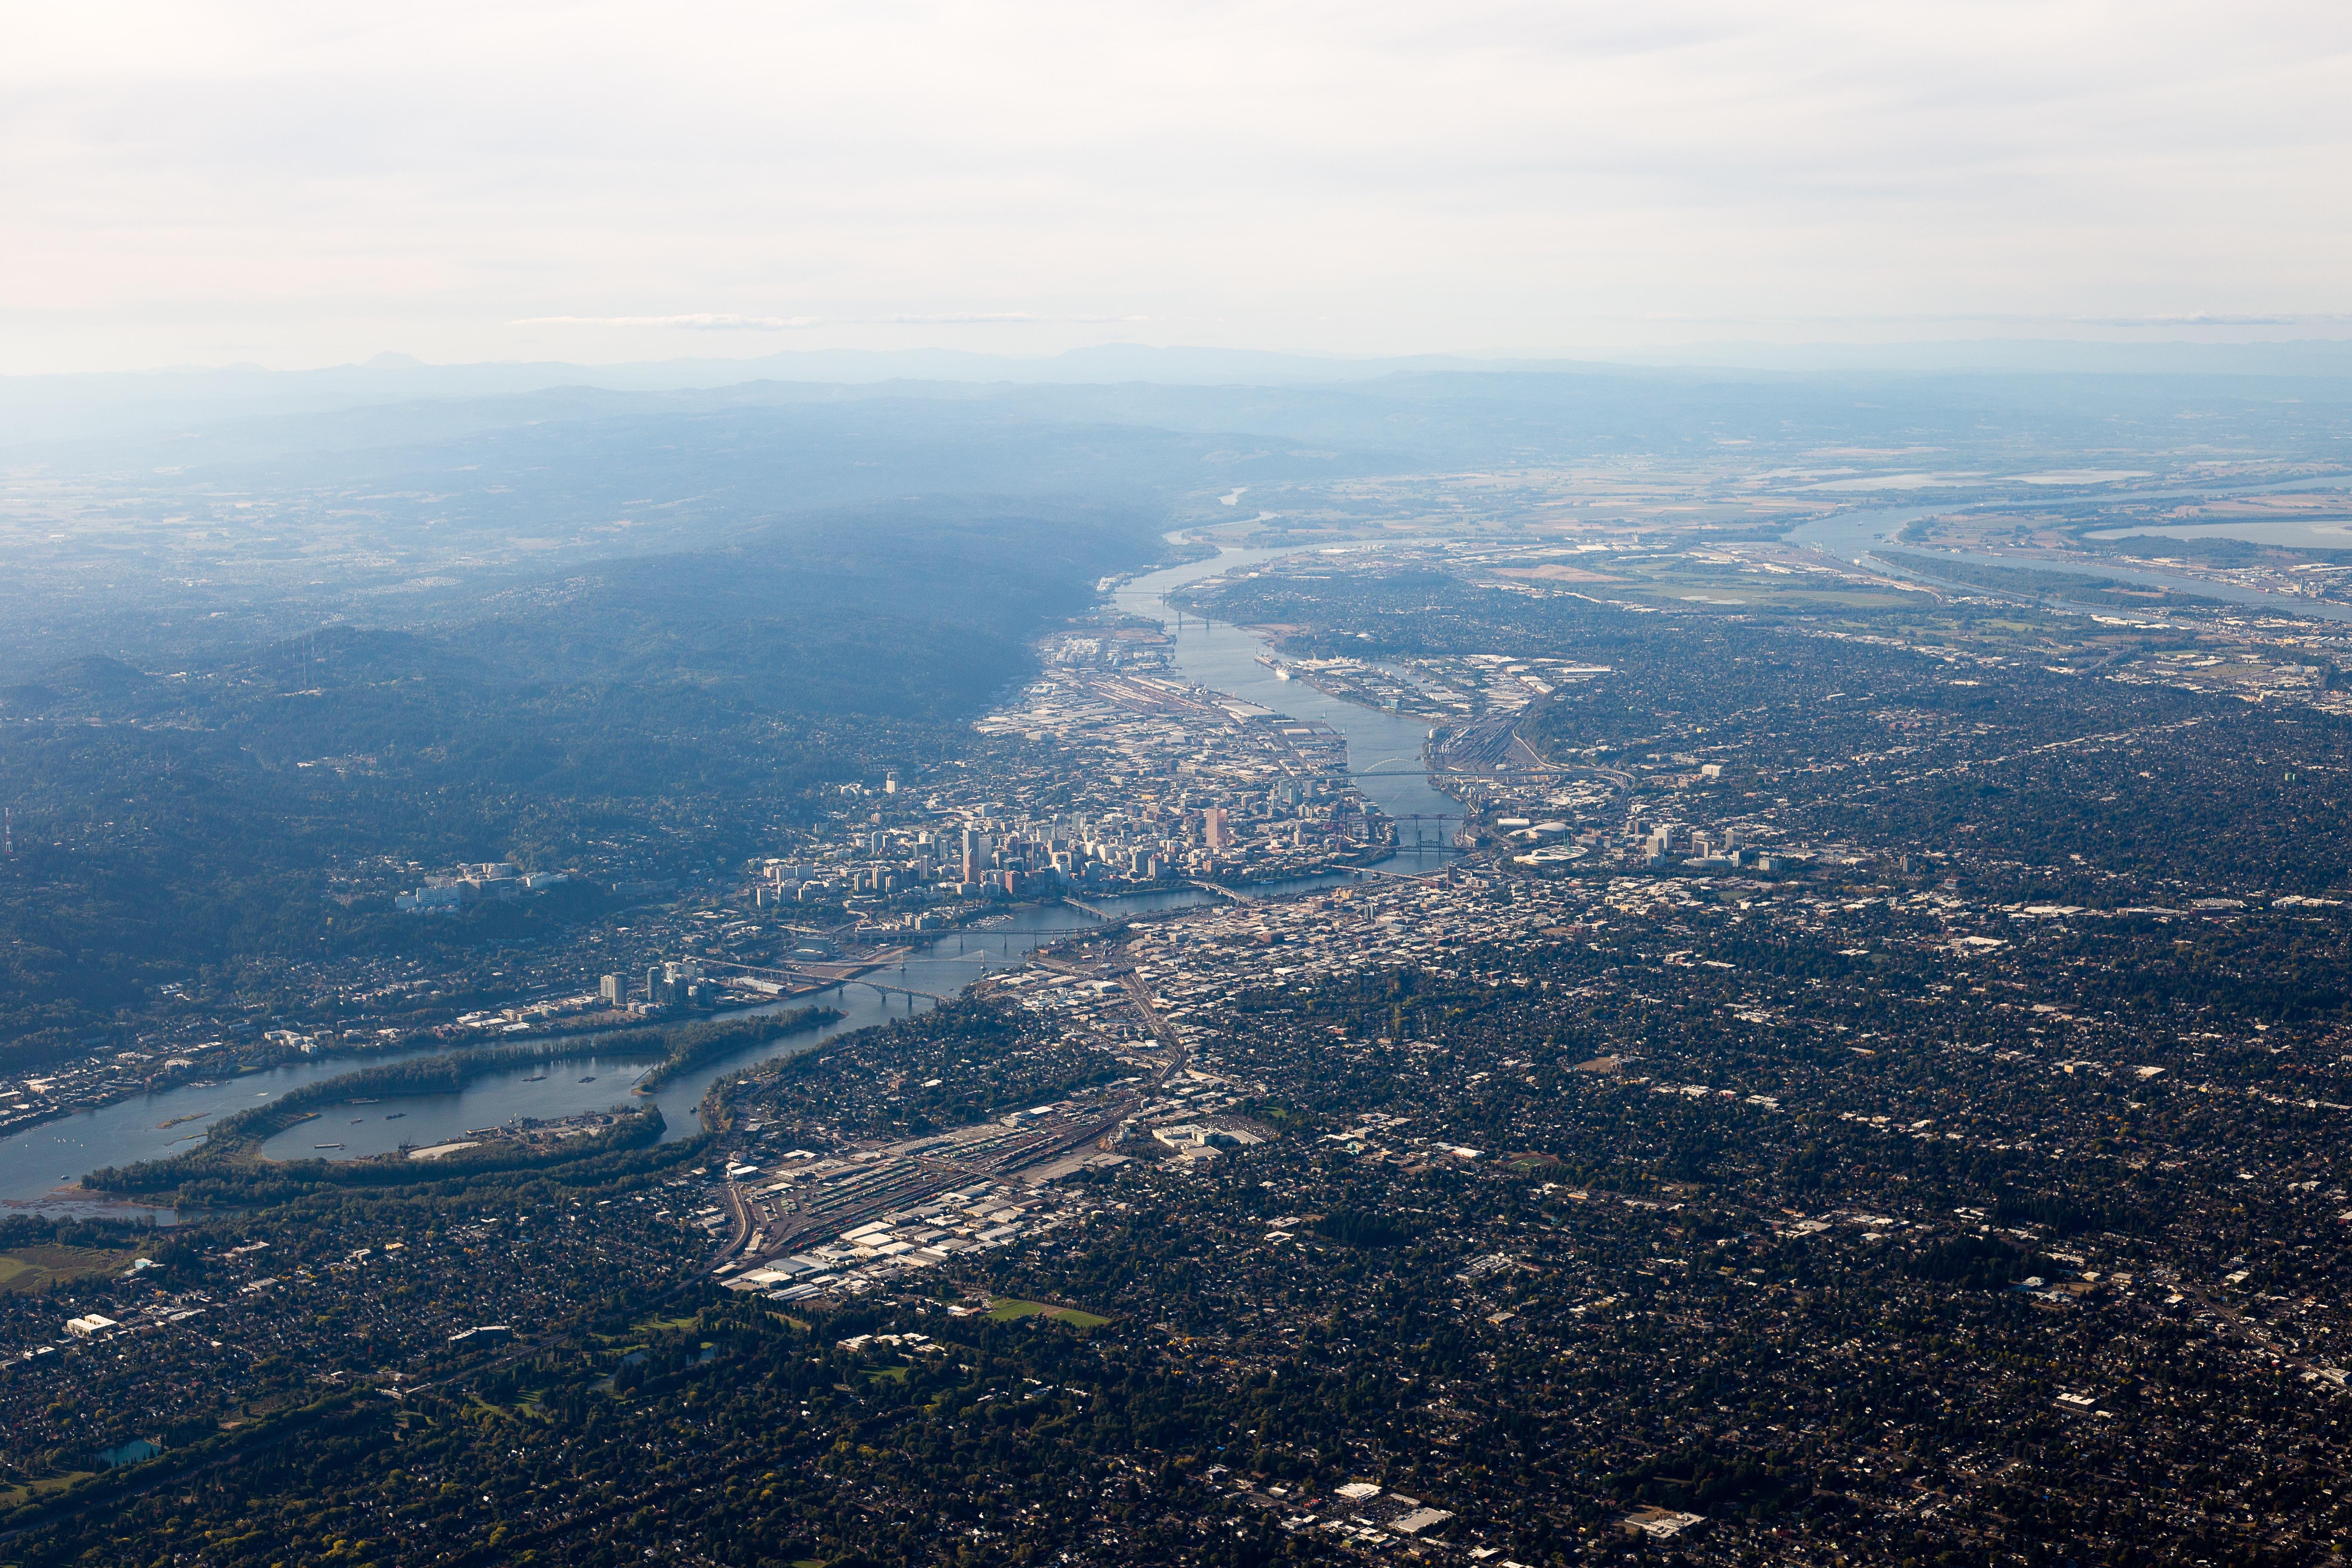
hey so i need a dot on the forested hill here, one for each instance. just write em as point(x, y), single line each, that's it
point(675, 710)
point(911, 610)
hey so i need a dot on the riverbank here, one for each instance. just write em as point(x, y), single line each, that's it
point(232, 1166)
point(145, 1121)
point(1384, 751)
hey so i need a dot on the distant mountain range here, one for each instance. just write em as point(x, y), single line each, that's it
point(40, 408)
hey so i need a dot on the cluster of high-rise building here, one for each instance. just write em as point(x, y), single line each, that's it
point(1662, 845)
point(1150, 781)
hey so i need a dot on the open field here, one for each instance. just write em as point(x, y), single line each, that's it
point(1004, 1312)
point(34, 1267)
point(11, 1497)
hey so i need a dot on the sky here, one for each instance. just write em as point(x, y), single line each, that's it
point(309, 183)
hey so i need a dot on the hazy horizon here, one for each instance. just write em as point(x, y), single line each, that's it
point(249, 183)
point(2241, 355)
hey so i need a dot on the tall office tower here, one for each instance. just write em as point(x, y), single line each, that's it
point(611, 989)
point(653, 984)
point(1220, 833)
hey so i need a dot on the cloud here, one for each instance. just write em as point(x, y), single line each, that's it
point(2038, 319)
point(998, 319)
point(2207, 318)
point(717, 321)
point(700, 323)
point(1332, 175)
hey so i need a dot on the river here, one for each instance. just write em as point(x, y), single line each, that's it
point(1849, 535)
point(39, 1165)
point(1384, 749)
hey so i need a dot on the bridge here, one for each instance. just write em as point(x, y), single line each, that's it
point(717, 966)
point(798, 977)
point(1532, 772)
point(1104, 915)
point(1390, 767)
point(1402, 875)
point(900, 990)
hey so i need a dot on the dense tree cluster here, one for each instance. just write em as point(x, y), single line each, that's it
point(1799, 1216)
point(651, 721)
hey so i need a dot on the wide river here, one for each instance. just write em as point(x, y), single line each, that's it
point(38, 1166)
point(1849, 535)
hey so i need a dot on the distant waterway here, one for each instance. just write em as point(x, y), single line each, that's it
point(39, 1165)
point(36, 1164)
point(1851, 535)
point(1384, 749)
point(2291, 535)
point(39, 1160)
point(562, 1089)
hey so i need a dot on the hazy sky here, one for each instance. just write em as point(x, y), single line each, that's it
point(309, 182)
